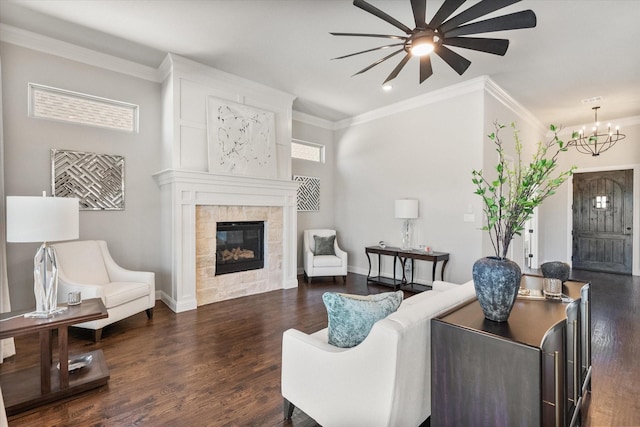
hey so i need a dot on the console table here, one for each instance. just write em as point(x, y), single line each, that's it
point(534, 369)
point(403, 255)
point(35, 386)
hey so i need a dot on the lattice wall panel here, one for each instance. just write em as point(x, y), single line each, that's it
point(308, 193)
point(96, 179)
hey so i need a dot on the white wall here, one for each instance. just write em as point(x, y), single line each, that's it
point(132, 234)
point(427, 153)
point(320, 132)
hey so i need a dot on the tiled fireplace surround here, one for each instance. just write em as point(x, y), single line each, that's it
point(198, 200)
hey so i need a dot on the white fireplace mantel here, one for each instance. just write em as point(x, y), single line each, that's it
point(181, 191)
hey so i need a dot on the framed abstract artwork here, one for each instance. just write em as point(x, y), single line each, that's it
point(97, 180)
point(308, 193)
point(241, 139)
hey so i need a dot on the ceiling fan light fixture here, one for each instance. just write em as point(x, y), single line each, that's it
point(442, 30)
point(422, 44)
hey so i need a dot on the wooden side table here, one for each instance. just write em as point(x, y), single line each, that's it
point(379, 279)
point(403, 255)
point(413, 254)
point(35, 386)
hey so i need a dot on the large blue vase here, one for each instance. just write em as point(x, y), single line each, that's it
point(496, 282)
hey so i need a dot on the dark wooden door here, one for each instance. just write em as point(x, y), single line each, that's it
point(602, 220)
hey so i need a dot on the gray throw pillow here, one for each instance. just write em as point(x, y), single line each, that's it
point(351, 317)
point(324, 245)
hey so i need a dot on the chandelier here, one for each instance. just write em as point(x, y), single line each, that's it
point(596, 143)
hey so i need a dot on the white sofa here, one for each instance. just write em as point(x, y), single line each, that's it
point(87, 266)
point(384, 381)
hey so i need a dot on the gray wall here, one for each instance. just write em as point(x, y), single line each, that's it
point(132, 234)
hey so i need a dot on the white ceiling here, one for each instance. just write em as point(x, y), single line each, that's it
point(580, 49)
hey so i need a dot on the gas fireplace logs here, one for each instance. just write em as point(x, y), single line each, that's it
point(236, 254)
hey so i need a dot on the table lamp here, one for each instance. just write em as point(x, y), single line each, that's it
point(43, 219)
point(406, 209)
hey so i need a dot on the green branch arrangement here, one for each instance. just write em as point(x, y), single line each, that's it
point(510, 199)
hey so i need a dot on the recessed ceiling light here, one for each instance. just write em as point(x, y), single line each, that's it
point(387, 88)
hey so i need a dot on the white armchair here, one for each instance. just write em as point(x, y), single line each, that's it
point(322, 265)
point(87, 266)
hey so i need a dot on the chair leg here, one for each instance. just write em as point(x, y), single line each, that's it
point(344, 279)
point(149, 312)
point(288, 409)
point(334, 279)
point(97, 335)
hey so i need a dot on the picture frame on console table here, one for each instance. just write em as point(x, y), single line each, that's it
point(241, 139)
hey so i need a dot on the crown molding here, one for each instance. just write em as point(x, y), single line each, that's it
point(508, 101)
point(434, 97)
point(313, 120)
point(38, 42)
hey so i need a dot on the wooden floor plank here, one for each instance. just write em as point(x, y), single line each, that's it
point(220, 365)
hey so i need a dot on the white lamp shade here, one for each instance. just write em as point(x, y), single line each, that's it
point(407, 208)
point(42, 219)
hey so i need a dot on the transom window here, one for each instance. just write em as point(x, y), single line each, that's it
point(63, 105)
point(307, 151)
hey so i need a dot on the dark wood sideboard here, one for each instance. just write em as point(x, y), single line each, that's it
point(533, 370)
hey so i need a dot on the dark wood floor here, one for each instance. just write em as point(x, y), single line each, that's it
point(220, 365)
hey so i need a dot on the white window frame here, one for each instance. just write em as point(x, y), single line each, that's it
point(135, 109)
point(320, 147)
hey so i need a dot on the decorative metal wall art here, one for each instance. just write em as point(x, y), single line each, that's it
point(308, 193)
point(241, 139)
point(96, 179)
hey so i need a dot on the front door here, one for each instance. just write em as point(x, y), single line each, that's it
point(602, 218)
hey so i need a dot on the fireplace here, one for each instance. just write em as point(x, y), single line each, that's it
point(239, 246)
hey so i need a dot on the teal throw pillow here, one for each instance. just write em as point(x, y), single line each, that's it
point(351, 317)
point(324, 245)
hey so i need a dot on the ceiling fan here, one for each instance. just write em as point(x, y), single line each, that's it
point(443, 31)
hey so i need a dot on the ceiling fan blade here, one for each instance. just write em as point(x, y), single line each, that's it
point(454, 60)
point(384, 36)
point(480, 9)
point(379, 61)
point(419, 8)
point(369, 50)
point(494, 46)
point(382, 15)
point(425, 68)
point(513, 21)
point(398, 68)
point(447, 8)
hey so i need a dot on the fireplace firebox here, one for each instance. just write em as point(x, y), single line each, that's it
point(239, 246)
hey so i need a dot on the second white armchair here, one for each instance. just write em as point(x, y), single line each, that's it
point(322, 255)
